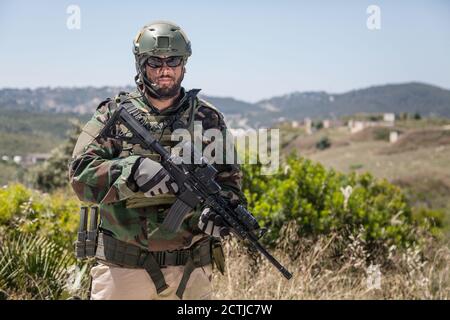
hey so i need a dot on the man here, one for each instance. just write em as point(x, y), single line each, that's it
point(137, 258)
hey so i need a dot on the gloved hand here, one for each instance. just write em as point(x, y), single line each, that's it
point(152, 179)
point(211, 223)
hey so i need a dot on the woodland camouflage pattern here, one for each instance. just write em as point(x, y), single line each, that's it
point(100, 172)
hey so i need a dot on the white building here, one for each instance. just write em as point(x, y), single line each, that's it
point(393, 136)
point(356, 126)
point(389, 117)
point(34, 158)
point(308, 126)
point(17, 159)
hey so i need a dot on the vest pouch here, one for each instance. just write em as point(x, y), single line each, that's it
point(218, 257)
point(85, 245)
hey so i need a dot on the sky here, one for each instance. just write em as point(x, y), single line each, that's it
point(249, 50)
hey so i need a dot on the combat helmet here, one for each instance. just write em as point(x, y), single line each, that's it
point(158, 38)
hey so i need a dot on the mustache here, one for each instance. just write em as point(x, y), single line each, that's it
point(166, 77)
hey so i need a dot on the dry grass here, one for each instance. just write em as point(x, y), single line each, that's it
point(321, 274)
point(426, 190)
point(414, 140)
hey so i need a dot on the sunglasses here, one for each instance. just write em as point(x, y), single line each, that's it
point(155, 62)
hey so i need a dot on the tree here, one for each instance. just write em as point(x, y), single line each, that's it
point(53, 173)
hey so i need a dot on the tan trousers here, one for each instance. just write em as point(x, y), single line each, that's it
point(115, 283)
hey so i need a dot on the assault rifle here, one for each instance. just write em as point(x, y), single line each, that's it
point(196, 183)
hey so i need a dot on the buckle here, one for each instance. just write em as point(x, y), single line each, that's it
point(142, 256)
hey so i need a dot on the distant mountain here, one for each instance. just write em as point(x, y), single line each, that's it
point(411, 97)
point(65, 100)
point(232, 106)
point(85, 99)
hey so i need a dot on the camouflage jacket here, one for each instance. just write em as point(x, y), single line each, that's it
point(100, 172)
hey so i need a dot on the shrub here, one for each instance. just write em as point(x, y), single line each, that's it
point(54, 172)
point(29, 211)
point(321, 201)
point(323, 143)
point(381, 134)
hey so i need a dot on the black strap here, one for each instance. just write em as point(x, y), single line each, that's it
point(188, 268)
point(201, 256)
point(152, 267)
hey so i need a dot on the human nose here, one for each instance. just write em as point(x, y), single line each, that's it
point(164, 69)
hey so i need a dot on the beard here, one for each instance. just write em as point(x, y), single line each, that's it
point(168, 92)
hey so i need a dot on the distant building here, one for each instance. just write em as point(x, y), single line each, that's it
point(356, 126)
point(34, 158)
point(294, 124)
point(389, 117)
point(326, 124)
point(393, 136)
point(308, 126)
point(17, 159)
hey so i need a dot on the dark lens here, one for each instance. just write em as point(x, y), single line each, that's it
point(154, 62)
point(174, 61)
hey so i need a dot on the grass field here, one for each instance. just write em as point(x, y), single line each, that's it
point(407, 274)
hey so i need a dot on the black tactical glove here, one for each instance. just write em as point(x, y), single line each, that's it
point(211, 223)
point(152, 179)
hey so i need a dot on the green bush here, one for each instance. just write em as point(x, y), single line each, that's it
point(37, 232)
point(314, 197)
point(318, 125)
point(323, 143)
point(433, 219)
point(29, 211)
point(54, 172)
point(381, 134)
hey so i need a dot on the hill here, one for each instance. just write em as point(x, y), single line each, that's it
point(425, 99)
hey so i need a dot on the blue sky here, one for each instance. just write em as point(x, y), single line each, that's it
point(249, 50)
